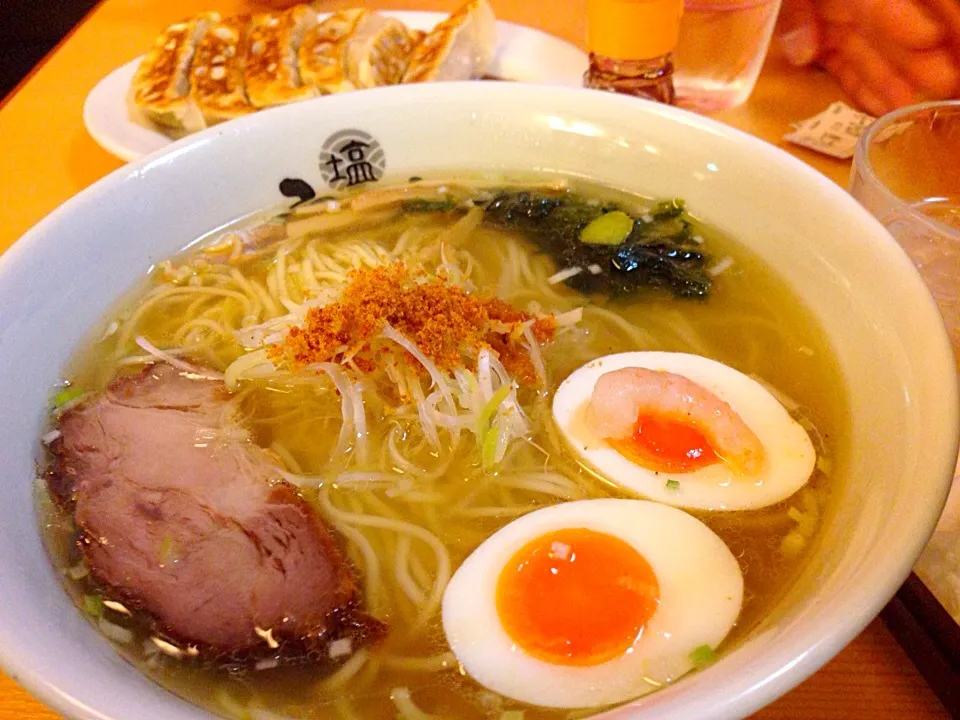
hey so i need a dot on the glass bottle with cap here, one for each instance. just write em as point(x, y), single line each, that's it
point(630, 43)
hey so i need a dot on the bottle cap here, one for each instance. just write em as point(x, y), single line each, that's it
point(633, 29)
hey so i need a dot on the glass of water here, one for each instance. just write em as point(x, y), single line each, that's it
point(906, 172)
point(722, 46)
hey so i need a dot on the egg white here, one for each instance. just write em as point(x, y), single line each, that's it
point(701, 590)
point(790, 456)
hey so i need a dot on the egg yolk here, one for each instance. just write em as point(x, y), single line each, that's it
point(576, 597)
point(666, 445)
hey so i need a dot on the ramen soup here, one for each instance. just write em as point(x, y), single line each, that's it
point(510, 451)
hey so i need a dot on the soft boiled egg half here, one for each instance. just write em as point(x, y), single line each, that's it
point(684, 430)
point(591, 603)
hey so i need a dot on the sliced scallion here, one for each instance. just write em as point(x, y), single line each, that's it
point(93, 605)
point(489, 410)
point(611, 228)
point(66, 395)
point(703, 655)
point(488, 452)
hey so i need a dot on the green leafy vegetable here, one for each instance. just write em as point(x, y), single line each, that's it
point(611, 228)
point(673, 485)
point(659, 251)
point(703, 655)
point(617, 252)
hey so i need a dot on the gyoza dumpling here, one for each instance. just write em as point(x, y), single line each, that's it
point(355, 49)
point(216, 78)
point(161, 85)
point(459, 48)
point(379, 51)
point(271, 76)
point(323, 53)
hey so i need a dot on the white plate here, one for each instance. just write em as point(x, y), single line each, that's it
point(523, 54)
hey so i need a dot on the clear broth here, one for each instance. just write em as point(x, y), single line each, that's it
point(751, 321)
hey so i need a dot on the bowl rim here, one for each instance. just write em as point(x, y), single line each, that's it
point(753, 690)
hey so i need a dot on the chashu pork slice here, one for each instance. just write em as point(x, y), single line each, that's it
point(459, 48)
point(379, 51)
point(181, 516)
point(271, 74)
point(161, 85)
point(323, 52)
point(216, 78)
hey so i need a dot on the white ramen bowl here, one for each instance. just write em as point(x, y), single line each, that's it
point(59, 280)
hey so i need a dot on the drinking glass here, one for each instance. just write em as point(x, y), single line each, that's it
point(722, 46)
point(906, 172)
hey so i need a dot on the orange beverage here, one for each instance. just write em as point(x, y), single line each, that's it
point(630, 43)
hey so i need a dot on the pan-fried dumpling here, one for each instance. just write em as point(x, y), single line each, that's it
point(355, 49)
point(379, 51)
point(271, 75)
point(459, 48)
point(161, 85)
point(323, 53)
point(217, 75)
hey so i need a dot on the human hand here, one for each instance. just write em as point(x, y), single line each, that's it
point(885, 53)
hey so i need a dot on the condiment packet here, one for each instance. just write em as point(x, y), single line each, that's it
point(833, 132)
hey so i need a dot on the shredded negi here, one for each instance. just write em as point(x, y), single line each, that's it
point(388, 328)
point(445, 322)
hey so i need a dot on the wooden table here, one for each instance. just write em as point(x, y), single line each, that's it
point(46, 157)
